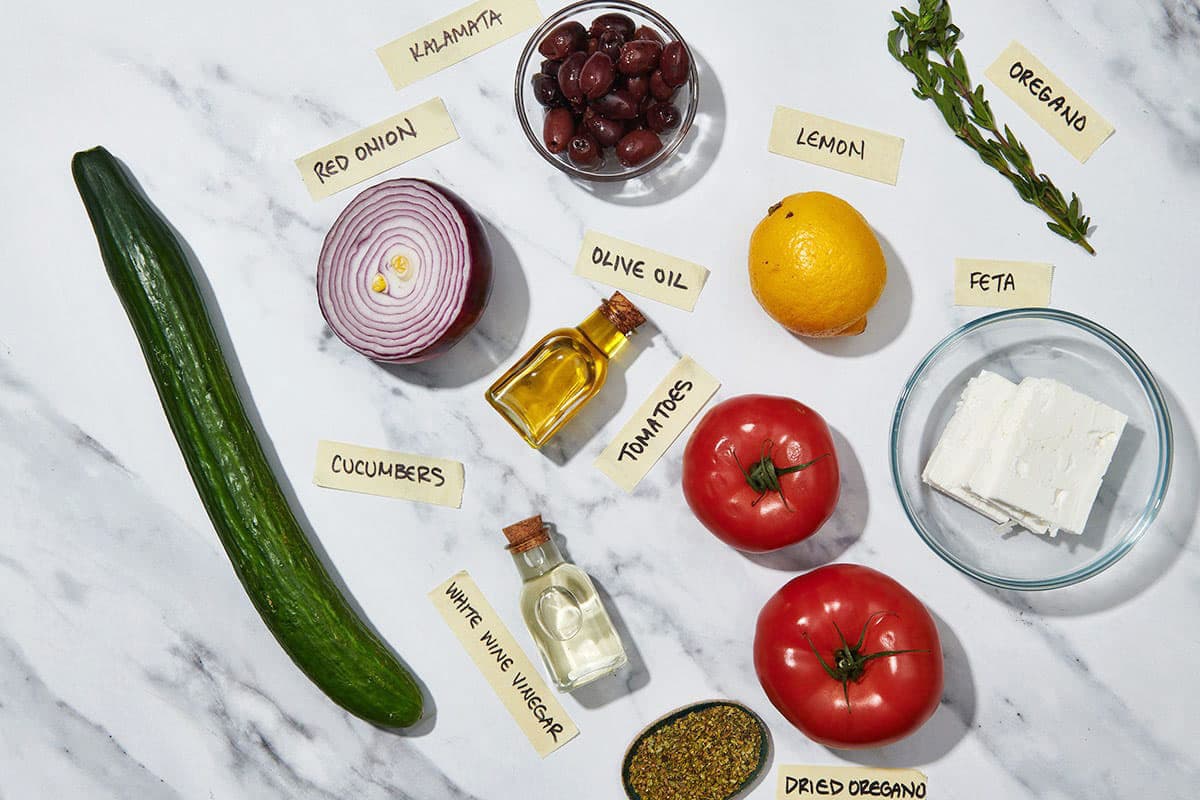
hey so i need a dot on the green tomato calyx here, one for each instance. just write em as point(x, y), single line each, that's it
point(763, 475)
point(849, 662)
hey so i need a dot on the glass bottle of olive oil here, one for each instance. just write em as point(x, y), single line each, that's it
point(562, 610)
point(561, 373)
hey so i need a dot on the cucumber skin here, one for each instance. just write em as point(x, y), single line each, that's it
point(270, 553)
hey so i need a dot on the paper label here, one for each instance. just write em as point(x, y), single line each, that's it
point(1052, 104)
point(657, 423)
point(1001, 284)
point(382, 472)
point(504, 664)
point(640, 270)
point(377, 148)
point(800, 780)
point(836, 145)
point(452, 38)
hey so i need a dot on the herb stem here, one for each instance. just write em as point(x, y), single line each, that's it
point(947, 82)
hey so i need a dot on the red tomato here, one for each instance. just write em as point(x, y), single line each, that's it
point(876, 694)
point(760, 472)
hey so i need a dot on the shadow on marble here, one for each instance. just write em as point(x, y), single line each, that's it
point(217, 319)
point(577, 433)
point(630, 678)
point(493, 340)
point(843, 529)
point(949, 725)
point(690, 162)
point(1159, 549)
point(885, 322)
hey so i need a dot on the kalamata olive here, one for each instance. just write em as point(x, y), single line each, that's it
point(659, 88)
point(617, 104)
point(593, 44)
point(638, 86)
point(639, 57)
point(618, 23)
point(604, 130)
point(584, 150)
point(662, 116)
point(648, 33)
point(546, 91)
point(568, 76)
point(550, 67)
point(610, 43)
point(675, 63)
point(557, 129)
point(596, 76)
point(637, 146)
point(563, 40)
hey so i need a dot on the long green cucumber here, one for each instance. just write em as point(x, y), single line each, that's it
point(270, 553)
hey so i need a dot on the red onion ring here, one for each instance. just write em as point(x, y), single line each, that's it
point(405, 271)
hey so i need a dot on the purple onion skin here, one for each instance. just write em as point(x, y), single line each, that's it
point(479, 286)
point(479, 289)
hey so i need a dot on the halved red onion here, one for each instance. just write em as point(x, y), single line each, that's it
point(405, 271)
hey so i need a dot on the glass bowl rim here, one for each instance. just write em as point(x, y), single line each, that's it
point(526, 59)
point(1163, 431)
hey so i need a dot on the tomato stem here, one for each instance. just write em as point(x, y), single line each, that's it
point(763, 475)
point(849, 662)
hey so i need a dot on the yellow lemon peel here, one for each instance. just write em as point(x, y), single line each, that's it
point(815, 265)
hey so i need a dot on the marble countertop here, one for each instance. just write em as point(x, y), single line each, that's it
point(131, 663)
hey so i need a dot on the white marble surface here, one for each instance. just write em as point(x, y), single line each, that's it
point(131, 664)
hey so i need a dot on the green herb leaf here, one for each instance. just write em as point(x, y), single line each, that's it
point(947, 82)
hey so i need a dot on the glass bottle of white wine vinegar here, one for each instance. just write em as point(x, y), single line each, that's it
point(562, 610)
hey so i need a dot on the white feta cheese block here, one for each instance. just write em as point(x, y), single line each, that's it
point(966, 442)
point(1050, 450)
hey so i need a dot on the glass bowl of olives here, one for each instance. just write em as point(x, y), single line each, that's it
point(606, 90)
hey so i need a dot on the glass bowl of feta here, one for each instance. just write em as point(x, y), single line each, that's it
point(1031, 448)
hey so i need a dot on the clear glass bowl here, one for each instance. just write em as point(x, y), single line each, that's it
point(1020, 343)
point(532, 113)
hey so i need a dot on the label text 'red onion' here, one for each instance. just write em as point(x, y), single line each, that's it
point(376, 148)
point(377, 143)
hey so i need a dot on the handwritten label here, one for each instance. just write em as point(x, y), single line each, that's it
point(1001, 284)
point(1042, 95)
point(657, 423)
point(504, 664)
point(449, 40)
point(836, 145)
point(799, 780)
point(382, 472)
point(640, 270)
point(380, 147)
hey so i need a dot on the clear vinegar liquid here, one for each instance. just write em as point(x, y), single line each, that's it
point(576, 638)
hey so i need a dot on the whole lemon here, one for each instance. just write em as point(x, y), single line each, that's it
point(815, 265)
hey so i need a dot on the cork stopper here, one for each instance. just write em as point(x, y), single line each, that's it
point(526, 534)
point(623, 314)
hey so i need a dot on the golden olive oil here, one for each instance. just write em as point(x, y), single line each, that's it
point(551, 383)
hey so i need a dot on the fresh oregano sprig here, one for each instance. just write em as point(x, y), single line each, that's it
point(926, 44)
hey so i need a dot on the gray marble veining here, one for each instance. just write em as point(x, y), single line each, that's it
point(131, 663)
